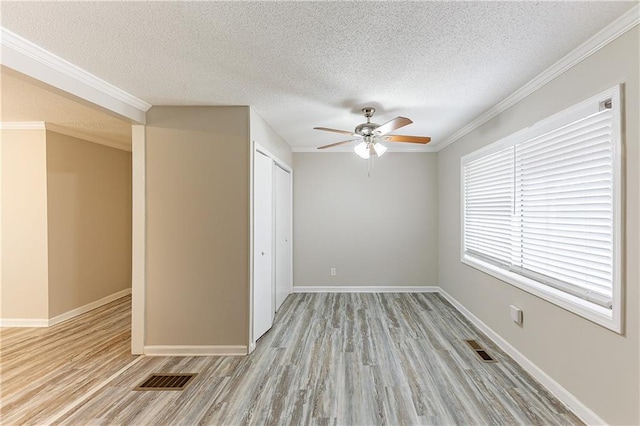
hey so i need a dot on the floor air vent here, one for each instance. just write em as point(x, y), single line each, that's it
point(479, 350)
point(168, 381)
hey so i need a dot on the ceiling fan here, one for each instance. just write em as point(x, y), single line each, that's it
point(371, 134)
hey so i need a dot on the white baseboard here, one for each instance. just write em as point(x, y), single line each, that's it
point(366, 289)
point(89, 307)
point(566, 397)
point(195, 350)
point(26, 322)
point(9, 322)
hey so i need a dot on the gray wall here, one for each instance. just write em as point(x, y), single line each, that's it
point(598, 366)
point(197, 183)
point(376, 231)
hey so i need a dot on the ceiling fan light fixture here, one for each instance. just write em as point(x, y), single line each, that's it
point(379, 148)
point(362, 149)
point(371, 133)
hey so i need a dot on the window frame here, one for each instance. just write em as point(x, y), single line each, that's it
point(609, 318)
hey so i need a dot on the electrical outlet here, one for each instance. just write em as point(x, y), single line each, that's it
point(333, 272)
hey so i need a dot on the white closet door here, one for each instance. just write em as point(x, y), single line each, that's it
point(282, 235)
point(262, 244)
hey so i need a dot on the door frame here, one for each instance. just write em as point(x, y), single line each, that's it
point(284, 166)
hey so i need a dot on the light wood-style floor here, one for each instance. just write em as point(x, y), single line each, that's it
point(43, 369)
point(330, 359)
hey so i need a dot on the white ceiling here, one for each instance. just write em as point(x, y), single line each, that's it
point(306, 64)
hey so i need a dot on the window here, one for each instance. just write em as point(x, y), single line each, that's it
point(541, 209)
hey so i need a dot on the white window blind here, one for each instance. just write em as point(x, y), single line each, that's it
point(564, 203)
point(542, 205)
point(488, 197)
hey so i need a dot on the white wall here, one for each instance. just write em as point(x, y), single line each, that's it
point(263, 134)
point(598, 366)
point(376, 231)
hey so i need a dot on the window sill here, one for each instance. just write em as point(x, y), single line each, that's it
point(608, 318)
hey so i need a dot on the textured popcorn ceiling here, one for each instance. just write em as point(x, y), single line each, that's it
point(306, 64)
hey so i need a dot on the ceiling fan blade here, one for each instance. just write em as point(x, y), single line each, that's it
point(392, 125)
point(336, 144)
point(326, 129)
point(405, 138)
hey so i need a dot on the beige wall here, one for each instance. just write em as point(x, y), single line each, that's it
point(376, 231)
point(89, 216)
point(197, 177)
point(263, 134)
point(24, 291)
point(598, 366)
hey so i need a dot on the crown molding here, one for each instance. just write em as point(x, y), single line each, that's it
point(624, 23)
point(30, 59)
point(22, 125)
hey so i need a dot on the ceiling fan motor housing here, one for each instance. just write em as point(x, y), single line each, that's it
point(366, 129)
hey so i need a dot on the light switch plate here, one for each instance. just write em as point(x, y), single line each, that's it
point(516, 314)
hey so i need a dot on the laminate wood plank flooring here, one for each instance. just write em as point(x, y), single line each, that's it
point(43, 369)
point(339, 359)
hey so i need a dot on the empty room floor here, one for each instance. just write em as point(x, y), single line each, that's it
point(345, 359)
